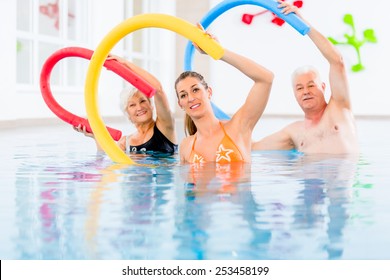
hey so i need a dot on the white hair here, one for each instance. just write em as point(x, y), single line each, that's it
point(127, 93)
point(303, 70)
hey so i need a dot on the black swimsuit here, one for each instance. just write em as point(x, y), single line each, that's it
point(158, 143)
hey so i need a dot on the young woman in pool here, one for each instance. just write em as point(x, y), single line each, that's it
point(152, 135)
point(211, 140)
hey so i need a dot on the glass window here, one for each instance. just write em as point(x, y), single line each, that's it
point(151, 48)
point(49, 18)
point(24, 19)
point(45, 50)
point(77, 71)
point(142, 46)
point(137, 42)
point(24, 61)
point(72, 10)
point(44, 26)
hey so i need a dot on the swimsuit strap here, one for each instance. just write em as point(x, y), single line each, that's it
point(227, 136)
point(223, 128)
point(127, 143)
point(193, 144)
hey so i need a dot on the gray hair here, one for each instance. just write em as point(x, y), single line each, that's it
point(124, 97)
point(303, 70)
point(127, 93)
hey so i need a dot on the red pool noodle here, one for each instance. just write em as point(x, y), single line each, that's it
point(112, 65)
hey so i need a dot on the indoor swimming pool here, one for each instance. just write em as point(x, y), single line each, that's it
point(59, 199)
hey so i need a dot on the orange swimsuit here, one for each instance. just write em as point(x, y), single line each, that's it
point(227, 151)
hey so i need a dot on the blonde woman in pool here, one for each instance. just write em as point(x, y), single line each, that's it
point(211, 140)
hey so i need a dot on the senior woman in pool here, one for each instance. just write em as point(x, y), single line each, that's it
point(152, 135)
point(211, 140)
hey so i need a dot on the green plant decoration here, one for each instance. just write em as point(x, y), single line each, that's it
point(18, 46)
point(352, 40)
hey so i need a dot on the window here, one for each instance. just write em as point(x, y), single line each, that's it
point(136, 45)
point(44, 26)
point(152, 48)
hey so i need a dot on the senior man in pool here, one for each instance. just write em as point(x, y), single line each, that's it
point(327, 128)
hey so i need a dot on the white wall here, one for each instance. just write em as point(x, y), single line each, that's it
point(282, 49)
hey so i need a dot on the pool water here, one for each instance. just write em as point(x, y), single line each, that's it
point(59, 199)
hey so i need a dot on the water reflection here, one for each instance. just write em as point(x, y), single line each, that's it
point(283, 206)
point(323, 202)
point(145, 213)
point(228, 215)
point(61, 201)
point(217, 219)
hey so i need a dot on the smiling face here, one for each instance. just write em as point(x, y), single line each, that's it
point(309, 91)
point(139, 109)
point(193, 95)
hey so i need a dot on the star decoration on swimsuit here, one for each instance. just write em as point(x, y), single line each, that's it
point(198, 159)
point(223, 153)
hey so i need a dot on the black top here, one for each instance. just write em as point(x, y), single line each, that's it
point(158, 143)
